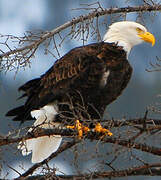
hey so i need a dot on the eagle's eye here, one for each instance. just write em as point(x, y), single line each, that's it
point(140, 31)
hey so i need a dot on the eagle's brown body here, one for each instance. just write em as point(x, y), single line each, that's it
point(88, 77)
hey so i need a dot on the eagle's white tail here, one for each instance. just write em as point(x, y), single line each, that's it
point(42, 147)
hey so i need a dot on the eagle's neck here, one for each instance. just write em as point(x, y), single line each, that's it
point(119, 40)
point(121, 43)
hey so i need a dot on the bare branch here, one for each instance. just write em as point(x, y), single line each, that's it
point(70, 133)
point(146, 170)
point(22, 55)
point(91, 135)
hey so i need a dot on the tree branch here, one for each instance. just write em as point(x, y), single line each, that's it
point(146, 170)
point(91, 135)
point(102, 12)
point(71, 133)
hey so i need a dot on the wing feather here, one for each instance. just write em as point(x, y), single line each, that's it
point(82, 67)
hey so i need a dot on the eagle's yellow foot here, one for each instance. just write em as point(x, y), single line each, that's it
point(98, 128)
point(80, 128)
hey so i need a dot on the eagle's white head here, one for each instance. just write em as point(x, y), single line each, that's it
point(128, 34)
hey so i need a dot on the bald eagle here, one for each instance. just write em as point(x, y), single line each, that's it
point(81, 83)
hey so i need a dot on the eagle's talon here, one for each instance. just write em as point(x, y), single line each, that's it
point(70, 127)
point(80, 128)
point(86, 129)
point(98, 128)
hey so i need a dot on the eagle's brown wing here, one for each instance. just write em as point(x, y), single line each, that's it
point(81, 68)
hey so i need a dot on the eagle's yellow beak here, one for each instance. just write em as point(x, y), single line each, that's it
point(147, 37)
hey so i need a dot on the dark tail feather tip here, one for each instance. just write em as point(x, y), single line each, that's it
point(15, 111)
